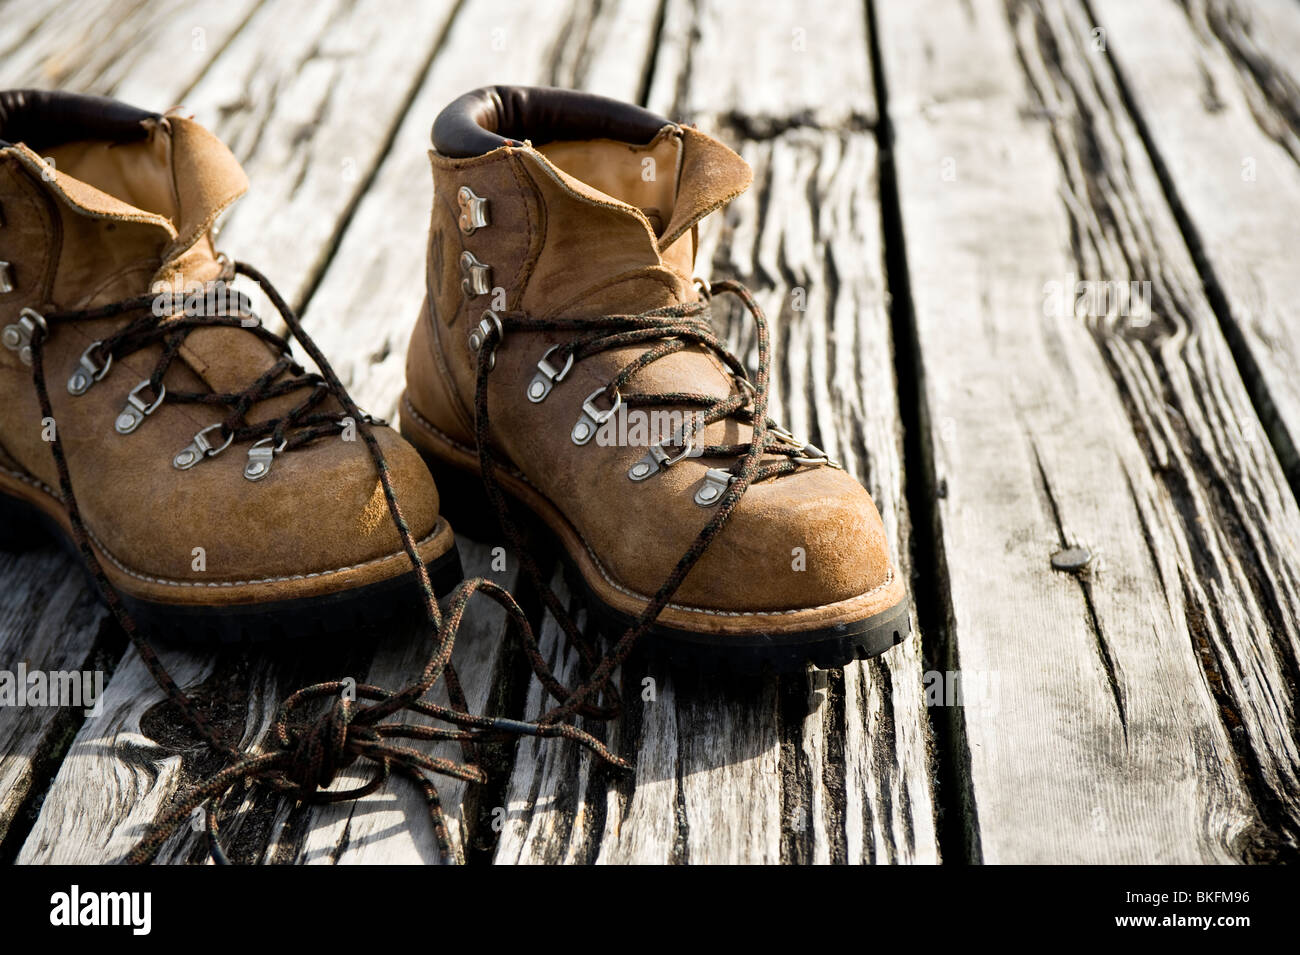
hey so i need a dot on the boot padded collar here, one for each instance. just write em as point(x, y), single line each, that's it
point(44, 118)
point(495, 116)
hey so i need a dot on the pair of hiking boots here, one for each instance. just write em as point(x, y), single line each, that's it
point(221, 489)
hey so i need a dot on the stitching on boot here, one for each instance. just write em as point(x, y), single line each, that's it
point(537, 242)
point(44, 208)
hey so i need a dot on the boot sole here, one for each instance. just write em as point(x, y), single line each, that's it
point(751, 649)
point(26, 524)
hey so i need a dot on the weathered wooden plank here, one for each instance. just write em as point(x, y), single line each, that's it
point(1220, 98)
point(818, 767)
point(703, 760)
point(127, 764)
point(40, 43)
point(308, 97)
point(836, 384)
point(765, 64)
point(142, 53)
point(392, 826)
point(1145, 707)
point(47, 623)
point(44, 624)
point(116, 777)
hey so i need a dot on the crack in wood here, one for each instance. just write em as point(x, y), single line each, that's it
point(920, 523)
point(1083, 578)
point(1271, 92)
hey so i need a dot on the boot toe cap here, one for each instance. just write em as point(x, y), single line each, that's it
point(808, 540)
point(320, 512)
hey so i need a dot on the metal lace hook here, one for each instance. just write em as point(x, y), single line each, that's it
point(200, 447)
point(260, 457)
point(137, 409)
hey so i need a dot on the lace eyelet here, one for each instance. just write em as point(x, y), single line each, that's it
point(200, 447)
point(87, 372)
point(260, 458)
point(137, 409)
point(592, 417)
point(18, 336)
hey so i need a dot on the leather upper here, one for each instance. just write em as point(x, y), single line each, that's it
point(559, 246)
point(112, 219)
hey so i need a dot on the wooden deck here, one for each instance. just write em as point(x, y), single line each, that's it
point(1096, 504)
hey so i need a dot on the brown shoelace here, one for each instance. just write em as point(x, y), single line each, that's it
point(666, 330)
point(304, 759)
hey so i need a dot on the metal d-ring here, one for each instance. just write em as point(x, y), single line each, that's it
point(473, 210)
point(88, 372)
point(806, 453)
point(716, 482)
point(547, 376)
point(18, 336)
point(478, 275)
point(478, 335)
point(786, 436)
point(200, 447)
point(592, 417)
point(657, 458)
point(260, 457)
point(810, 455)
point(137, 409)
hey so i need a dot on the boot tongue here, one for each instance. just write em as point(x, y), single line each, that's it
point(621, 240)
point(206, 179)
point(629, 209)
point(711, 176)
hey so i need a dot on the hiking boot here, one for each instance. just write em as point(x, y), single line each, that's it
point(224, 490)
point(561, 317)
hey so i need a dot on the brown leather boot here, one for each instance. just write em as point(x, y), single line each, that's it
point(222, 487)
point(561, 318)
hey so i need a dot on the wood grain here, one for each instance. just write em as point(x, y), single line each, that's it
point(765, 65)
point(1145, 709)
point(824, 766)
point(48, 622)
point(310, 115)
point(1219, 98)
point(147, 54)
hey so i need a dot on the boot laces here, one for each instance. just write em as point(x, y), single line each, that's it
point(303, 757)
point(667, 330)
point(167, 320)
